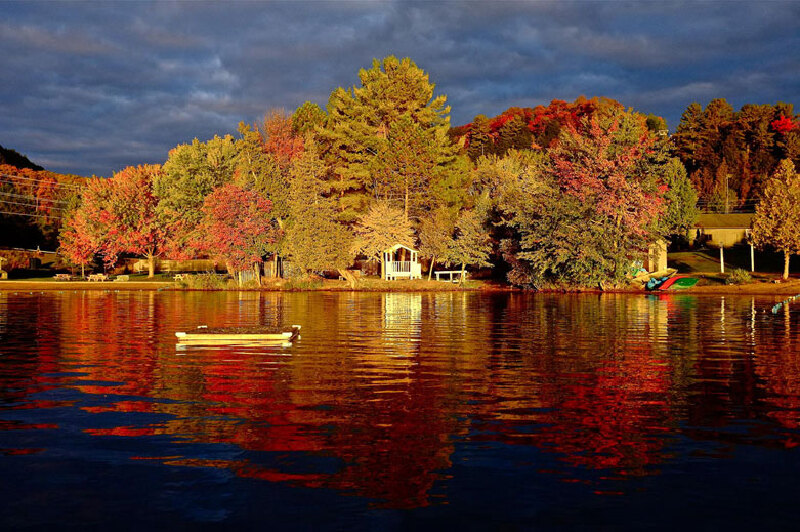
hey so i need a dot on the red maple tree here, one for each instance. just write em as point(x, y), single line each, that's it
point(784, 124)
point(238, 227)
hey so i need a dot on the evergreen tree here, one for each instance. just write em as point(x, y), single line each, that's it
point(361, 122)
point(307, 119)
point(687, 136)
point(480, 138)
point(408, 160)
point(681, 199)
point(315, 240)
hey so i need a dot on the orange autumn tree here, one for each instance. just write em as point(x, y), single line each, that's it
point(135, 227)
point(117, 216)
point(76, 242)
point(238, 227)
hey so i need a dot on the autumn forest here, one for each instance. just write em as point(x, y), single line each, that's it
point(568, 194)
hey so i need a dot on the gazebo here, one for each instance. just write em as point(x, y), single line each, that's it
point(401, 262)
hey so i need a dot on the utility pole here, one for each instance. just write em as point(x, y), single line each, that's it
point(726, 193)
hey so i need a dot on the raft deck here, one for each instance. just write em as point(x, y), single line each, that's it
point(237, 335)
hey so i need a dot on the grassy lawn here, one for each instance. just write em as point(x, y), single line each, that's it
point(137, 277)
point(706, 261)
point(693, 262)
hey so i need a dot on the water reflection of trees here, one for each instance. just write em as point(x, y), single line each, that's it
point(388, 389)
point(776, 346)
point(588, 377)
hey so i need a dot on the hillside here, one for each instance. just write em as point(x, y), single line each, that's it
point(16, 159)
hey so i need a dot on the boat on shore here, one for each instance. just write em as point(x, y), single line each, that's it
point(679, 282)
point(239, 335)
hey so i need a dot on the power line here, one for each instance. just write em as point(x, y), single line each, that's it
point(32, 215)
point(30, 205)
point(69, 189)
point(54, 182)
point(23, 196)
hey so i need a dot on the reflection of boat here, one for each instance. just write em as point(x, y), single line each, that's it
point(239, 335)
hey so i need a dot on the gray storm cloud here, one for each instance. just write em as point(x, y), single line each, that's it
point(90, 88)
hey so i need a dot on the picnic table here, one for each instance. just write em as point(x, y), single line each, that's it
point(62, 277)
point(100, 277)
point(179, 277)
point(121, 278)
point(450, 274)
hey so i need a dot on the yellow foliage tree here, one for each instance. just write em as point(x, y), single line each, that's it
point(777, 220)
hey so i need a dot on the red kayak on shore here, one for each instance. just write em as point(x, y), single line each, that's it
point(678, 282)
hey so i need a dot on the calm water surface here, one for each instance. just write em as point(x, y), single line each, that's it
point(399, 411)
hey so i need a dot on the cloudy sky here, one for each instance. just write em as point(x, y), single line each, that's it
point(91, 87)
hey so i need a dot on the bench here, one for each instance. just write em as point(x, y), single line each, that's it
point(100, 277)
point(449, 273)
point(62, 277)
point(122, 278)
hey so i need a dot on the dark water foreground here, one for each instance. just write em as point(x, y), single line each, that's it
point(399, 411)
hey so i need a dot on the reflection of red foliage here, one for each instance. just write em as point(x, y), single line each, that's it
point(778, 366)
point(589, 382)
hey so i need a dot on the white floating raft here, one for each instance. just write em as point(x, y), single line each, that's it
point(239, 335)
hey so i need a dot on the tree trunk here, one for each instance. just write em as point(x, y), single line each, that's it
point(430, 268)
point(405, 204)
point(239, 278)
point(257, 271)
point(786, 264)
point(83, 271)
point(349, 277)
point(383, 272)
point(463, 271)
point(151, 265)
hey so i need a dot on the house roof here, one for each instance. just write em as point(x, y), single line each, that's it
point(724, 221)
point(398, 246)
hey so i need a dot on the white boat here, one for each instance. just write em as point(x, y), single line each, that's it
point(239, 335)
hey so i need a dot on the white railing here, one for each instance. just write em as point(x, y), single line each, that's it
point(403, 268)
point(399, 266)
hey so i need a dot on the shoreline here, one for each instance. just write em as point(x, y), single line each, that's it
point(790, 287)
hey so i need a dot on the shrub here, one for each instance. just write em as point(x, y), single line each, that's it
point(303, 283)
point(203, 281)
point(739, 277)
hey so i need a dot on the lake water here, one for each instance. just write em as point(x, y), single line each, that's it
point(399, 411)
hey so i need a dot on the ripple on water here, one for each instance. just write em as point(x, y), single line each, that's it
point(404, 401)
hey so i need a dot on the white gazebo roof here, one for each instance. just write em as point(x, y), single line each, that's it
point(398, 246)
